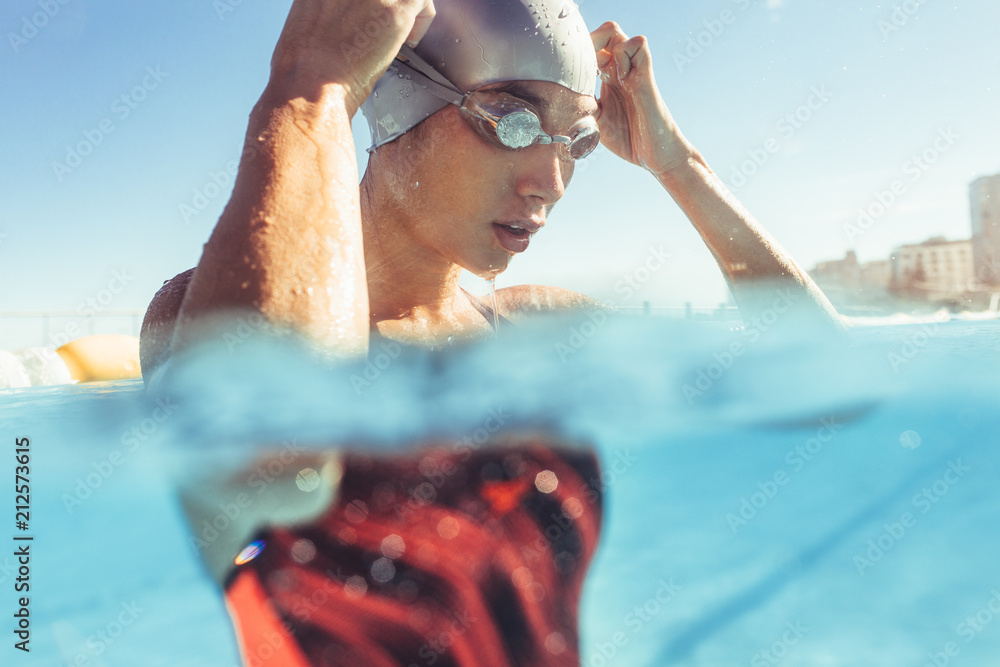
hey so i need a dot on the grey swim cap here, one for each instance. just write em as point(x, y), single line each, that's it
point(474, 43)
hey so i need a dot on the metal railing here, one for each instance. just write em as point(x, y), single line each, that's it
point(720, 314)
point(54, 328)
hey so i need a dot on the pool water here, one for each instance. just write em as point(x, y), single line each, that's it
point(785, 501)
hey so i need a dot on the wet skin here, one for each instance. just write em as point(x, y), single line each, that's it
point(301, 244)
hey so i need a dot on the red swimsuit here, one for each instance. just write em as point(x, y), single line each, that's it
point(446, 557)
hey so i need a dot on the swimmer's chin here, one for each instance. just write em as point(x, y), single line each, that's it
point(495, 270)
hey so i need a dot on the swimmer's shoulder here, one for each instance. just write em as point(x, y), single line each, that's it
point(522, 301)
point(161, 318)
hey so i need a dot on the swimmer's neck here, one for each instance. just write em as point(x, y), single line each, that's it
point(406, 279)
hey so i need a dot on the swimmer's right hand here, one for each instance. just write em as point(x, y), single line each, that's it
point(345, 43)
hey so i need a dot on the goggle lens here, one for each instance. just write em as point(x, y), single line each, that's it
point(519, 129)
point(508, 122)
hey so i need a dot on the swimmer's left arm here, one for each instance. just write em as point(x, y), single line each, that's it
point(637, 126)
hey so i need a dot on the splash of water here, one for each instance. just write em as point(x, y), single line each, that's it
point(493, 304)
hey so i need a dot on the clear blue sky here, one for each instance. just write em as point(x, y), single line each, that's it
point(63, 235)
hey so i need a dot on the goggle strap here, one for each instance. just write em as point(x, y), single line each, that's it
point(434, 81)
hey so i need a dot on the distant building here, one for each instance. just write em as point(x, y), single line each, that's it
point(841, 272)
point(963, 274)
point(849, 283)
point(877, 274)
point(984, 197)
point(935, 270)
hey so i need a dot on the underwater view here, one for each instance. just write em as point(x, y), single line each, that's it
point(496, 333)
point(797, 503)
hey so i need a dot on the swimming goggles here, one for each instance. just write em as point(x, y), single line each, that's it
point(502, 119)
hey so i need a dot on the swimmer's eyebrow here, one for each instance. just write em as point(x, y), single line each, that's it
point(526, 94)
point(517, 90)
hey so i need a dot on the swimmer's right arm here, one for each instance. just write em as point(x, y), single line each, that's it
point(289, 243)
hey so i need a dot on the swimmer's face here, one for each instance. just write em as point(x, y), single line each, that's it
point(472, 194)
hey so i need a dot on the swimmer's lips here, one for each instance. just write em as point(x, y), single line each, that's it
point(515, 236)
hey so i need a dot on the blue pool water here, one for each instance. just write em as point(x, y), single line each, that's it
point(792, 503)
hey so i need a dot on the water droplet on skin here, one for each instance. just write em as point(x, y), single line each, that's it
point(376, 92)
point(564, 13)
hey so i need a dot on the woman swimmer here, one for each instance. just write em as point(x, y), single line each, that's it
point(478, 114)
point(303, 245)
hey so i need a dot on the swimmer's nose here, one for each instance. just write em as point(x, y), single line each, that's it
point(544, 174)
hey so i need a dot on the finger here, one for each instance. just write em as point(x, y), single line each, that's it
point(607, 35)
point(630, 54)
point(422, 24)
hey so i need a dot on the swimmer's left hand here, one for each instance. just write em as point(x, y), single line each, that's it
point(634, 120)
